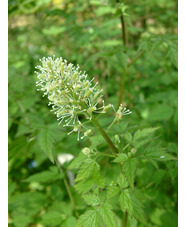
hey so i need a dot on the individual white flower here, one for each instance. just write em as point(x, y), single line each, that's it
point(121, 112)
point(70, 93)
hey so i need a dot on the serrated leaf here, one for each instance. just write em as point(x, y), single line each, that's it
point(129, 168)
point(44, 176)
point(143, 133)
point(108, 216)
point(98, 179)
point(78, 161)
point(159, 154)
point(112, 191)
point(91, 199)
point(88, 168)
point(84, 186)
point(95, 180)
point(122, 181)
point(121, 158)
point(88, 219)
point(140, 143)
point(130, 203)
point(46, 140)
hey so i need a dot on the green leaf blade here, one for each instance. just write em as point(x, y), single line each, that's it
point(88, 219)
point(129, 168)
point(91, 199)
point(108, 216)
point(46, 140)
point(121, 158)
point(88, 168)
point(130, 203)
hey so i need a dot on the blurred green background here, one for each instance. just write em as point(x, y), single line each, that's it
point(89, 33)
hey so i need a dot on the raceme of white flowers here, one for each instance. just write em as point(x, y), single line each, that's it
point(71, 94)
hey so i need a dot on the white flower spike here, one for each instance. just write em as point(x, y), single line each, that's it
point(69, 92)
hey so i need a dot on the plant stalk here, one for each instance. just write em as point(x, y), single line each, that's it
point(124, 219)
point(124, 75)
point(123, 25)
point(121, 88)
point(66, 185)
point(124, 33)
point(104, 134)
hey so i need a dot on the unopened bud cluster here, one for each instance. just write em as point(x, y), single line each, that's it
point(70, 93)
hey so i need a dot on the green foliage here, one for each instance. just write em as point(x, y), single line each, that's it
point(107, 215)
point(92, 199)
point(46, 139)
point(129, 168)
point(16, 146)
point(90, 218)
point(102, 216)
point(130, 203)
point(121, 158)
point(51, 218)
point(77, 162)
point(45, 176)
point(88, 168)
point(141, 178)
point(158, 153)
point(122, 182)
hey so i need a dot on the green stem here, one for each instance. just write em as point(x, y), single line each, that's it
point(66, 186)
point(104, 134)
point(124, 219)
point(105, 154)
point(124, 33)
point(121, 88)
point(136, 58)
point(123, 27)
point(125, 147)
point(124, 38)
point(114, 121)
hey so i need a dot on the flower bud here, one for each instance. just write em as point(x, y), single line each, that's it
point(133, 151)
point(117, 139)
point(86, 151)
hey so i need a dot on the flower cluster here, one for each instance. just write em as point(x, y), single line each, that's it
point(70, 93)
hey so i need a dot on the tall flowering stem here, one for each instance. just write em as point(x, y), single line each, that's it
point(71, 94)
